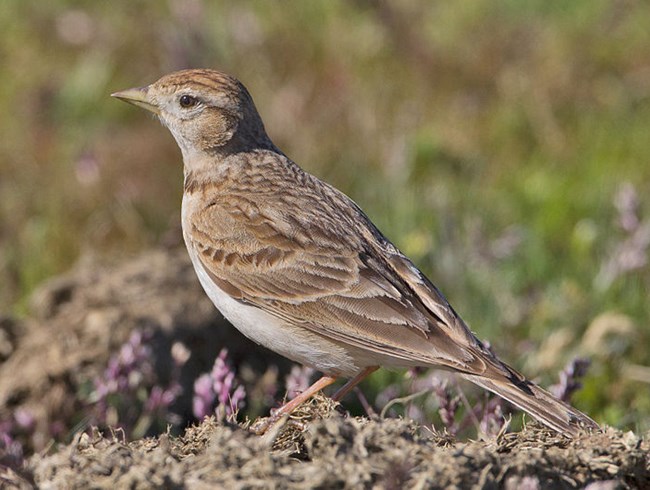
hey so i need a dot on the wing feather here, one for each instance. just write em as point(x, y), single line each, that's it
point(354, 287)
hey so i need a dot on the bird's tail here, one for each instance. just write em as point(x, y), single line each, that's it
point(537, 402)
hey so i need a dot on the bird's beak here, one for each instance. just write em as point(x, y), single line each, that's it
point(138, 96)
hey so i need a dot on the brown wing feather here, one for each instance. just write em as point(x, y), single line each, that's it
point(351, 286)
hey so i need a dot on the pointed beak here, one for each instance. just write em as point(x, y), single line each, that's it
point(138, 96)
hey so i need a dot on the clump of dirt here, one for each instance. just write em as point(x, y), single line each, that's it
point(345, 452)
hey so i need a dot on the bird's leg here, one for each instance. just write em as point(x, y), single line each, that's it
point(262, 427)
point(290, 406)
point(345, 389)
point(300, 398)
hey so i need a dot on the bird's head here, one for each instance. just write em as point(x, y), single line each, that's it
point(206, 111)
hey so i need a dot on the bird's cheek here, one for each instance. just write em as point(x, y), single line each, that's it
point(216, 129)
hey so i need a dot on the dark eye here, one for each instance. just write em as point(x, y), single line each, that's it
point(187, 101)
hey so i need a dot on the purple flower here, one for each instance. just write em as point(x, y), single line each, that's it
point(570, 378)
point(447, 405)
point(11, 451)
point(298, 380)
point(24, 419)
point(491, 416)
point(128, 393)
point(219, 386)
point(22, 423)
point(203, 399)
point(161, 399)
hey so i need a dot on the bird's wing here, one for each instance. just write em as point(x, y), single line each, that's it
point(356, 289)
point(334, 275)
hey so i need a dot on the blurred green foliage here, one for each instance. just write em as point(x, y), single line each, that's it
point(502, 145)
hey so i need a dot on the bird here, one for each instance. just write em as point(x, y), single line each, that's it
point(297, 266)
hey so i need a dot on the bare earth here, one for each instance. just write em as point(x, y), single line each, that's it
point(80, 318)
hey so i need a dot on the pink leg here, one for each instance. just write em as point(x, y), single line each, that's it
point(299, 399)
point(323, 382)
point(290, 406)
point(345, 389)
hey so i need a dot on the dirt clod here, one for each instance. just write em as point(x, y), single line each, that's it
point(344, 452)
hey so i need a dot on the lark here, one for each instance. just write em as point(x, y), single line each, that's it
point(299, 268)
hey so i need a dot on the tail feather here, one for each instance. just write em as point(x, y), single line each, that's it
point(537, 402)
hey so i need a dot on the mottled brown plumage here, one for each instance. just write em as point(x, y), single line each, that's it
point(298, 267)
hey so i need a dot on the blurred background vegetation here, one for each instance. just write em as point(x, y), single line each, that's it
point(502, 145)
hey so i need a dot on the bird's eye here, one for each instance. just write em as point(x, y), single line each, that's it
point(187, 101)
